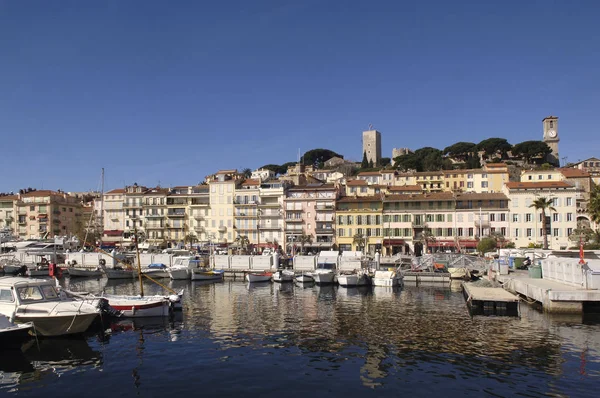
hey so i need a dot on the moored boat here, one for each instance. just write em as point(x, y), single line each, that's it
point(206, 274)
point(360, 278)
point(304, 278)
point(282, 276)
point(324, 274)
point(388, 278)
point(258, 277)
point(156, 270)
point(85, 272)
point(37, 301)
point(138, 306)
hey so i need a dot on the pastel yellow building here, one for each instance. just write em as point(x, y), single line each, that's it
point(359, 216)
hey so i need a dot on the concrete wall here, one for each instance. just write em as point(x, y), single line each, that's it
point(261, 262)
point(240, 262)
point(221, 262)
point(305, 263)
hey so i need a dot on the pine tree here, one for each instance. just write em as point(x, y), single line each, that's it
point(371, 165)
point(365, 162)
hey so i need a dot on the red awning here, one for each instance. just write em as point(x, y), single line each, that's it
point(113, 232)
point(388, 242)
point(451, 243)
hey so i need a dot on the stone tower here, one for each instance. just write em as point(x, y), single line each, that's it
point(372, 146)
point(550, 125)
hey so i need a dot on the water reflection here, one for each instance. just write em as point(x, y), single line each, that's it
point(418, 340)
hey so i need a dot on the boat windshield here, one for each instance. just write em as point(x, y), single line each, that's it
point(37, 293)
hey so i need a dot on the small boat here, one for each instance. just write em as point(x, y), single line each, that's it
point(324, 274)
point(37, 301)
point(182, 267)
point(118, 272)
point(304, 278)
point(13, 335)
point(85, 272)
point(282, 276)
point(156, 270)
point(360, 278)
point(388, 278)
point(12, 265)
point(207, 274)
point(258, 277)
point(138, 306)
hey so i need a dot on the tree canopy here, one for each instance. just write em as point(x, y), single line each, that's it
point(424, 159)
point(531, 149)
point(493, 146)
point(318, 157)
point(460, 150)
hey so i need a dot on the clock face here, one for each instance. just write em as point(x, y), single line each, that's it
point(552, 133)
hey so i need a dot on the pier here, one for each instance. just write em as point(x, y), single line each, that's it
point(490, 300)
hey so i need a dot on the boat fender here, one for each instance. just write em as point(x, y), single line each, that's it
point(102, 261)
point(133, 310)
point(73, 263)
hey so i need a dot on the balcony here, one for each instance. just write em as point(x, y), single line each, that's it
point(155, 216)
point(43, 220)
point(199, 229)
point(324, 208)
point(245, 203)
point(294, 220)
point(293, 229)
point(270, 214)
point(324, 230)
point(270, 227)
point(199, 216)
point(22, 221)
point(131, 205)
point(176, 214)
point(269, 204)
point(244, 215)
point(43, 215)
point(484, 222)
point(170, 226)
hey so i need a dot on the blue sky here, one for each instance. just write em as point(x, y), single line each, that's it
point(169, 92)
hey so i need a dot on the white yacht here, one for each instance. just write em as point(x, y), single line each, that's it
point(358, 278)
point(324, 274)
point(37, 301)
point(388, 278)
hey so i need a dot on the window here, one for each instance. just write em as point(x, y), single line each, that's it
point(484, 184)
point(528, 217)
point(30, 293)
point(448, 231)
point(555, 232)
point(503, 231)
point(470, 184)
point(470, 231)
point(516, 232)
point(460, 232)
point(569, 231)
point(569, 202)
point(569, 216)
point(540, 177)
point(31, 208)
point(492, 217)
point(340, 231)
point(6, 295)
point(529, 232)
point(530, 177)
point(549, 176)
point(555, 217)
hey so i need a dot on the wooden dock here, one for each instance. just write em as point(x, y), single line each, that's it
point(426, 278)
point(490, 300)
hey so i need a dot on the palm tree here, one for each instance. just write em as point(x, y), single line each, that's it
point(543, 204)
point(190, 238)
point(247, 173)
point(304, 239)
point(593, 206)
point(360, 241)
point(500, 239)
point(242, 241)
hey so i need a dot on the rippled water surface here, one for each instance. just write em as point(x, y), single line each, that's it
point(271, 340)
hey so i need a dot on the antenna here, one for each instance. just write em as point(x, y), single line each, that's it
point(564, 160)
point(370, 127)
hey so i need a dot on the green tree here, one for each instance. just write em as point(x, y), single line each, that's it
point(493, 146)
point(408, 162)
point(486, 244)
point(384, 162)
point(242, 242)
point(529, 150)
point(427, 239)
point(191, 239)
point(318, 157)
point(365, 162)
point(247, 172)
point(594, 204)
point(304, 239)
point(371, 165)
point(360, 242)
point(461, 150)
point(543, 204)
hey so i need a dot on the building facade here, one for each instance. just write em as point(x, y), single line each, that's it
point(550, 137)
point(371, 145)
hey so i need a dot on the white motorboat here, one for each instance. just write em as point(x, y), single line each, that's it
point(360, 278)
point(37, 301)
point(304, 278)
point(282, 276)
point(324, 274)
point(11, 265)
point(156, 270)
point(85, 272)
point(183, 266)
point(13, 335)
point(258, 277)
point(388, 278)
point(118, 272)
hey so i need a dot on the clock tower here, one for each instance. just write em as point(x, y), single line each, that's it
point(550, 125)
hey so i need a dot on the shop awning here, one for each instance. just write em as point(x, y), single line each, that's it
point(393, 242)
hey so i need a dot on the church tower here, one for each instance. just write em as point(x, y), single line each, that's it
point(550, 125)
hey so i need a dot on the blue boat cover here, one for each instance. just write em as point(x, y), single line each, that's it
point(157, 266)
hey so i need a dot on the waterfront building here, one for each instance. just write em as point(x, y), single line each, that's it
point(198, 209)
point(246, 211)
point(526, 222)
point(309, 211)
point(270, 212)
point(359, 217)
point(361, 188)
point(371, 146)
point(155, 223)
point(222, 186)
point(591, 166)
point(44, 213)
point(133, 199)
point(430, 181)
point(401, 179)
point(7, 212)
point(114, 217)
point(325, 175)
point(497, 175)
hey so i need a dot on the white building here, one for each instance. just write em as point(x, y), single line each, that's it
point(526, 222)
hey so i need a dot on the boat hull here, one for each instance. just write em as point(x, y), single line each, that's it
point(155, 274)
point(206, 275)
point(283, 276)
point(254, 278)
point(59, 325)
point(119, 274)
point(323, 278)
point(387, 279)
point(304, 278)
point(354, 280)
point(84, 273)
point(179, 274)
point(139, 307)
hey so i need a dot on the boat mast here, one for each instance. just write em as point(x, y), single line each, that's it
point(102, 204)
point(137, 251)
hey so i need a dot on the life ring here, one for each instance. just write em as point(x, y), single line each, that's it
point(102, 261)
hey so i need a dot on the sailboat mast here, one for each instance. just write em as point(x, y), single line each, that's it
point(137, 251)
point(102, 203)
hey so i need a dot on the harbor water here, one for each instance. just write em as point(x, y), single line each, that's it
point(233, 339)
